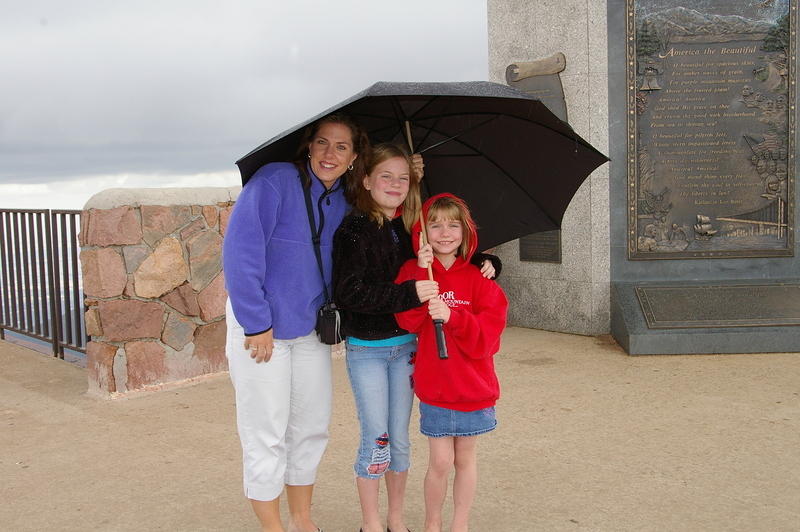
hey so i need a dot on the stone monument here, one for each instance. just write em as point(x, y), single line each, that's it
point(570, 292)
point(685, 242)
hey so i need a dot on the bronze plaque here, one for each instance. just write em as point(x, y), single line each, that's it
point(711, 128)
point(764, 305)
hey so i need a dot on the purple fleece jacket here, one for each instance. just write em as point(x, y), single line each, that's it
point(271, 273)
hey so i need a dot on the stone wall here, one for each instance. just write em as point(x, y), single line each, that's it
point(152, 275)
point(572, 296)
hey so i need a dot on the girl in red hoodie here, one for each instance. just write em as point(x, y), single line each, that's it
point(457, 394)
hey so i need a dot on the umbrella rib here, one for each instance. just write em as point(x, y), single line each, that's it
point(455, 137)
point(397, 110)
point(431, 128)
point(400, 121)
point(428, 131)
point(445, 155)
point(401, 117)
point(433, 99)
point(406, 118)
point(397, 107)
point(379, 130)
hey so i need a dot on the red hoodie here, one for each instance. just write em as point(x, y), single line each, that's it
point(466, 381)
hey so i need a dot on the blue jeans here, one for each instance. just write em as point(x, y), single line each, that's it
point(384, 393)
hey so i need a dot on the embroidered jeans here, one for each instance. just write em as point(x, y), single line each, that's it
point(381, 381)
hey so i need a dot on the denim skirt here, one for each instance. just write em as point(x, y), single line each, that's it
point(436, 422)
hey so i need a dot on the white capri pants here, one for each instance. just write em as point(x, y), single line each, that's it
point(283, 409)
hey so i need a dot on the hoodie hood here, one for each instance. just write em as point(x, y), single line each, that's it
point(470, 228)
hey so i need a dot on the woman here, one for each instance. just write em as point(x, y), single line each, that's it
point(370, 246)
point(280, 371)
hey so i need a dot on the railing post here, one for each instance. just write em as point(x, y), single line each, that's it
point(3, 271)
point(76, 307)
point(55, 289)
point(65, 310)
point(44, 254)
point(16, 294)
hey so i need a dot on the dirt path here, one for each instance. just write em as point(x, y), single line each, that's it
point(589, 439)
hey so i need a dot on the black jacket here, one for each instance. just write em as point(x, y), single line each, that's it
point(366, 260)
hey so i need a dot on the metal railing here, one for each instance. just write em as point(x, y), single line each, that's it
point(41, 295)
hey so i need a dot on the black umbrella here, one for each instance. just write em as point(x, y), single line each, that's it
point(512, 160)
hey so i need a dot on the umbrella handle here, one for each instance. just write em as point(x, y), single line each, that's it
point(438, 325)
point(441, 345)
point(408, 136)
point(423, 239)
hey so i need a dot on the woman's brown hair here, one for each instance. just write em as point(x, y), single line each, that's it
point(361, 147)
point(411, 205)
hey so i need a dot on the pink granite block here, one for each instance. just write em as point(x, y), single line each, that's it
point(108, 227)
point(103, 272)
point(205, 258)
point(130, 290)
point(224, 216)
point(178, 331)
point(146, 364)
point(100, 366)
point(212, 299)
point(209, 346)
point(183, 299)
point(126, 319)
point(193, 228)
point(92, 320)
point(134, 256)
point(159, 221)
point(162, 271)
point(211, 214)
point(82, 236)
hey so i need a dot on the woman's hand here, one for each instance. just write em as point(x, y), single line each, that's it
point(487, 269)
point(418, 165)
point(439, 310)
point(427, 290)
point(260, 346)
point(425, 256)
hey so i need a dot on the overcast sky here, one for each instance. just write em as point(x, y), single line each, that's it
point(104, 93)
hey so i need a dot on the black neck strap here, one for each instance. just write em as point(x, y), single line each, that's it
point(315, 236)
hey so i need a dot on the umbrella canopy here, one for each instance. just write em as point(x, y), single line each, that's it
point(512, 160)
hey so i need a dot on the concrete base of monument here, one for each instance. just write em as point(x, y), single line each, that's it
point(742, 316)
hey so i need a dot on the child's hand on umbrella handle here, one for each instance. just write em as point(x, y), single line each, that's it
point(487, 269)
point(427, 290)
point(425, 256)
point(438, 310)
point(418, 165)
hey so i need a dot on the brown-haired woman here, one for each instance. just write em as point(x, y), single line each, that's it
point(280, 371)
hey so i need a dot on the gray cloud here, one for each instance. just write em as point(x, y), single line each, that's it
point(96, 87)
